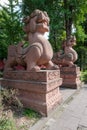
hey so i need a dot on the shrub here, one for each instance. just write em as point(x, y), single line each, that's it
point(10, 100)
point(7, 123)
point(84, 76)
point(31, 113)
point(11, 112)
point(6, 117)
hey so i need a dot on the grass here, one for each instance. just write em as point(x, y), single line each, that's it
point(31, 113)
point(84, 76)
point(12, 114)
point(7, 124)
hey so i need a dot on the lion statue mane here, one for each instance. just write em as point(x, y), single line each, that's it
point(67, 56)
point(39, 52)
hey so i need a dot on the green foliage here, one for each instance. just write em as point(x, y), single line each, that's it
point(74, 11)
point(11, 100)
point(7, 123)
point(56, 14)
point(10, 26)
point(80, 33)
point(31, 113)
point(84, 76)
point(82, 55)
point(10, 112)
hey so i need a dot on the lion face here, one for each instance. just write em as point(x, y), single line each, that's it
point(38, 21)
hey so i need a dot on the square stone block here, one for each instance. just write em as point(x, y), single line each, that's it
point(37, 90)
point(71, 77)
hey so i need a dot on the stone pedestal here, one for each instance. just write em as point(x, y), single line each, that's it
point(71, 77)
point(38, 90)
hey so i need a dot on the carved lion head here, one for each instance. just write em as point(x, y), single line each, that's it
point(38, 21)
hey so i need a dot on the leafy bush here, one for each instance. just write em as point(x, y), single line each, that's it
point(31, 113)
point(12, 114)
point(7, 124)
point(84, 76)
point(10, 99)
point(6, 117)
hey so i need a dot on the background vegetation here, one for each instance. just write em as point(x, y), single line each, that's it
point(13, 116)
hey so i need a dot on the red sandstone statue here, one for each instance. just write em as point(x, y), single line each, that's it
point(39, 52)
point(68, 56)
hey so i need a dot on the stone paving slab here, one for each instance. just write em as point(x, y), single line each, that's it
point(81, 127)
point(71, 115)
point(41, 124)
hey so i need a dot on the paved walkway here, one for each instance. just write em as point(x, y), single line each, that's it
point(70, 115)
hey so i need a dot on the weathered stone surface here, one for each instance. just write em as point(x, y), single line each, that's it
point(71, 77)
point(42, 75)
point(37, 90)
point(38, 54)
point(67, 56)
point(31, 70)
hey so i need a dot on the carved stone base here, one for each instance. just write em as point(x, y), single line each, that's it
point(38, 90)
point(71, 77)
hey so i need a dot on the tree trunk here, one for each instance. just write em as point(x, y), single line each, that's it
point(68, 19)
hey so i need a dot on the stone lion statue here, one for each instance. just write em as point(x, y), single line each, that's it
point(67, 56)
point(39, 52)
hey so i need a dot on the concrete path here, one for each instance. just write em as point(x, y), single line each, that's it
point(70, 115)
